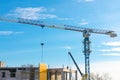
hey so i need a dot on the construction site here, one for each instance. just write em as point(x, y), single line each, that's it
point(43, 72)
point(36, 73)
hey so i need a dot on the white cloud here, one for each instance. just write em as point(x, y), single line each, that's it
point(111, 54)
point(105, 50)
point(116, 49)
point(38, 9)
point(46, 16)
point(83, 22)
point(28, 13)
point(110, 67)
point(84, 1)
point(88, 0)
point(6, 32)
point(64, 18)
point(9, 32)
point(35, 13)
point(67, 47)
point(18, 32)
point(112, 43)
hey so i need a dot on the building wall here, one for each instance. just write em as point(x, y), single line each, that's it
point(25, 74)
point(2, 64)
point(32, 73)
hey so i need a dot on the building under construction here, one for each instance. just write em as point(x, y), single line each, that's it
point(37, 73)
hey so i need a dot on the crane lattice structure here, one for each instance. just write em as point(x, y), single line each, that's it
point(86, 34)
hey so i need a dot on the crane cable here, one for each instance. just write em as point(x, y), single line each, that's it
point(42, 44)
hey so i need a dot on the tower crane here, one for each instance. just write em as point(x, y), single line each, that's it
point(86, 34)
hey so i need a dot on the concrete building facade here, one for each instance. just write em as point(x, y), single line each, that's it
point(19, 73)
point(2, 64)
point(33, 73)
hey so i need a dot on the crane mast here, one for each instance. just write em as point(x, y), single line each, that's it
point(86, 34)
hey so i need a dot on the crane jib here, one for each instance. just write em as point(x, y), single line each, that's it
point(65, 27)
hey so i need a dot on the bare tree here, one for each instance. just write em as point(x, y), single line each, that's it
point(97, 76)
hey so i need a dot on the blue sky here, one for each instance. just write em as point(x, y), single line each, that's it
point(20, 43)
